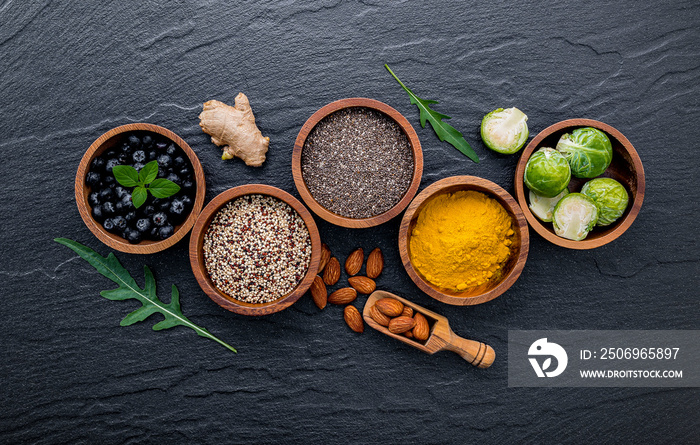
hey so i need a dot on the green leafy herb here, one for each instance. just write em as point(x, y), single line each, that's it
point(144, 181)
point(443, 130)
point(111, 268)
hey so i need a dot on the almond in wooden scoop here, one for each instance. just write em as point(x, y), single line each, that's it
point(399, 325)
point(331, 274)
point(342, 296)
point(363, 285)
point(353, 319)
point(354, 262)
point(378, 316)
point(375, 263)
point(390, 307)
point(421, 330)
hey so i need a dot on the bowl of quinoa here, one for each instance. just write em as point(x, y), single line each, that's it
point(357, 162)
point(255, 249)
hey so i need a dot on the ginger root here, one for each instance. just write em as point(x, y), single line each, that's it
point(235, 129)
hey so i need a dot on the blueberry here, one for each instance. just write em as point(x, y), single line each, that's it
point(138, 166)
point(108, 208)
point(124, 158)
point(119, 223)
point(161, 145)
point(171, 150)
point(120, 191)
point(124, 147)
point(106, 194)
point(92, 179)
point(110, 154)
point(149, 210)
point(139, 156)
point(111, 162)
point(175, 178)
point(164, 161)
point(108, 180)
point(98, 214)
point(162, 172)
point(166, 231)
point(119, 208)
point(177, 210)
point(187, 185)
point(143, 225)
point(134, 142)
point(133, 236)
point(127, 203)
point(161, 204)
point(186, 200)
point(185, 172)
point(98, 165)
point(130, 216)
point(159, 219)
point(153, 233)
point(94, 199)
point(108, 224)
point(147, 141)
point(152, 155)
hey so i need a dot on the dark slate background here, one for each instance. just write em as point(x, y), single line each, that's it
point(71, 71)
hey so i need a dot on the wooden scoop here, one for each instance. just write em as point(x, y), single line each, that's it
point(441, 336)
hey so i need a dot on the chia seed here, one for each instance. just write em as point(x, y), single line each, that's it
point(357, 162)
point(257, 249)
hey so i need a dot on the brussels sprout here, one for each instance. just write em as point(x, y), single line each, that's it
point(610, 197)
point(543, 207)
point(588, 151)
point(504, 131)
point(547, 173)
point(574, 216)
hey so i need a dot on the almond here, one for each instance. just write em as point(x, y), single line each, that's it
point(378, 316)
point(353, 319)
point(344, 295)
point(325, 256)
point(319, 292)
point(375, 263)
point(390, 307)
point(354, 262)
point(331, 274)
point(399, 325)
point(363, 285)
point(408, 334)
point(421, 330)
point(407, 312)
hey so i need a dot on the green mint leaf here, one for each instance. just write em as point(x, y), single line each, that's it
point(162, 188)
point(148, 173)
point(126, 175)
point(138, 196)
point(111, 268)
point(443, 130)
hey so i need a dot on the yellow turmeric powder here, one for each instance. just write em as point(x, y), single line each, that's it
point(461, 240)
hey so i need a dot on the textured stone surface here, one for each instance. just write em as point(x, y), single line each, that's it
point(71, 71)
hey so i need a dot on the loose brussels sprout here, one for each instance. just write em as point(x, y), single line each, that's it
point(504, 131)
point(574, 216)
point(543, 207)
point(588, 151)
point(547, 173)
point(610, 197)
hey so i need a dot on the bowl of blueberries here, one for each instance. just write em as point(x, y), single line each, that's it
point(153, 197)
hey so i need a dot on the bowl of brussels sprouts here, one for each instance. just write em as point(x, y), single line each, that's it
point(580, 183)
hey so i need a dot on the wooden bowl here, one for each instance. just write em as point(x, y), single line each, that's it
point(334, 218)
point(197, 251)
point(626, 167)
point(106, 142)
point(512, 268)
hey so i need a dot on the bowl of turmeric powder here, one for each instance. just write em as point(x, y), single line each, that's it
point(464, 240)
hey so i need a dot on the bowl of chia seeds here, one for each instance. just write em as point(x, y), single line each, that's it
point(255, 249)
point(357, 162)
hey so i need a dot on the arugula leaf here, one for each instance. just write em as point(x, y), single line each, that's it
point(162, 188)
point(111, 268)
point(126, 175)
point(148, 172)
point(138, 196)
point(443, 130)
